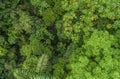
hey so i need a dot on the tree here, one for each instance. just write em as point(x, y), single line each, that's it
point(62, 39)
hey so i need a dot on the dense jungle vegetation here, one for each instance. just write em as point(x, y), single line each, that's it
point(59, 39)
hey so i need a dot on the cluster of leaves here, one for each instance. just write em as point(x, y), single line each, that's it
point(59, 39)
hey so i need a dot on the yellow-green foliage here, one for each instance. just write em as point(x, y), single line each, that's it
point(60, 39)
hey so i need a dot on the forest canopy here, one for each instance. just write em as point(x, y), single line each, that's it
point(59, 39)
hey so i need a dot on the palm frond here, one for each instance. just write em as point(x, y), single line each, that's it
point(25, 74)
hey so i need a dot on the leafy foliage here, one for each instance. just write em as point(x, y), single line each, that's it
point(24, 74)
point(59, 39)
